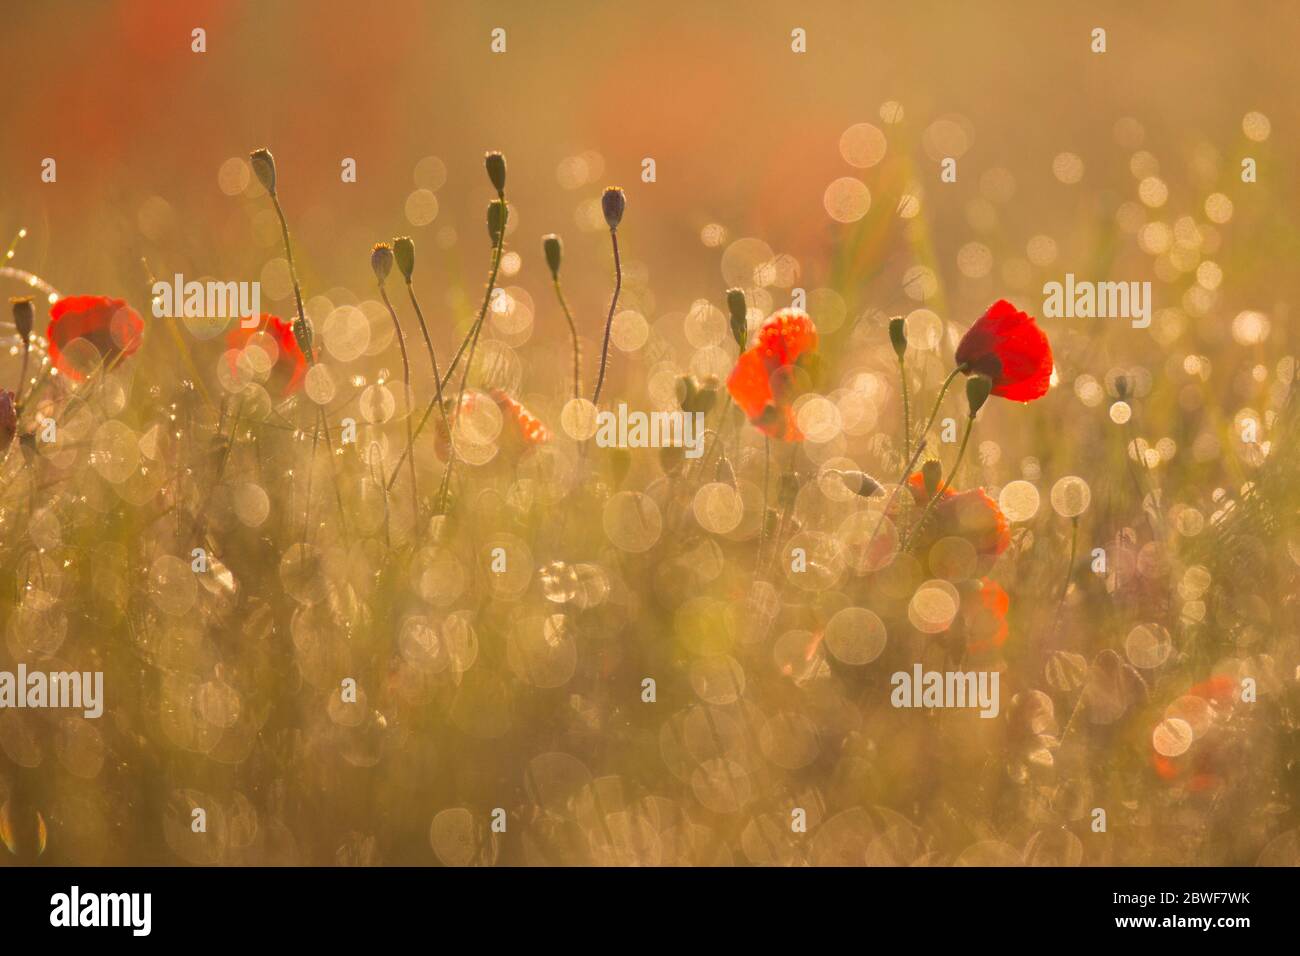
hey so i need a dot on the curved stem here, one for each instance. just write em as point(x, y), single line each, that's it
point(1069, 570)
point(455, 361)
point(938, 401)
point(907, 409)
point(609, 321)
point(310, 356)
point(573, 331)
point(469, 359)
point(406, 378)
point(293, 270)
point(762, 517)
point(938, 492)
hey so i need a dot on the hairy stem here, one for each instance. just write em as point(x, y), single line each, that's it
point(609, 320)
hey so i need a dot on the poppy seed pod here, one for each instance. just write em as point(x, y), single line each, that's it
point(553, 250)
point(24, 315)
point(381, 260)
point(496, 220)
point(404, 254)
point(739, 310)
point(496, 170)
point(898, 336)
point(263, 164)
point(978, 389)
point(931, 473)
point(612, 204)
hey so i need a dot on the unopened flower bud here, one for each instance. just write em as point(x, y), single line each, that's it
point(978, 388)
point(381, 260)
point(612, 204)
point(404, 254)
point(739, 322)
point(553, 249)
point(898, 336)
point(931, 473)
point(496, 220)
point(263, 164)
point(496, 170)
point(860, 483)
point(24, 315)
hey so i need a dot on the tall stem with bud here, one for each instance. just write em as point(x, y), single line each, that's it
point(381, 260)
point(498, 214)
point(263, 164)
point(612, 203)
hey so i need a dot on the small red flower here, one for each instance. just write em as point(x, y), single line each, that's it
point(520, 429)
point(110, 325)
point(763, 383)
point(290, 366)
point(530, 429)
point(972, 515)
point(1008, 347)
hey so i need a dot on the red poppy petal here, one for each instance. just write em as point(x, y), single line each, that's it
point(749, 384)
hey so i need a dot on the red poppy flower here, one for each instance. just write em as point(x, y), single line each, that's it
point(763, 383)
point(972, 515)
point(520, 429)
point(290, 366)
point(110, 325)
point(985, 616)
point(1008, 347)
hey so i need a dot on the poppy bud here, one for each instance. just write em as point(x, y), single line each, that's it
point(404, 254)
point(695, 396)
point(978, 388)
point(739, 323)
point(263, 164)
point(860, 483)
point(685, 391)
point(24, 314)
point(496, 220)
point(898, 336)
point(931, 473)
point(552, 248)
point(496, 170)
point(1121, 387)
point(381, 260)
point(612, 204)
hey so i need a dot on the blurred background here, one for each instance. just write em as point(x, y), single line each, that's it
point(744, 133)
